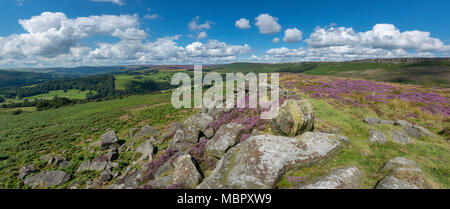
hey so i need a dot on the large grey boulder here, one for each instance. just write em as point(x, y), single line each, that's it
point(107, 139)
point(294, 118)
point(400, 137)
point(146, 131)
point(227, 136)
point(47, 179)
point(185, 172)
point(344, 178)
point(376, 136)
point(260, 161)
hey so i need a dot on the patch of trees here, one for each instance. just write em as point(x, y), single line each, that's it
point(102, 84)
point(141, 87)
point(56, 102)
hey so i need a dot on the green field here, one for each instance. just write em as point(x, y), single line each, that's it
point(70, 94)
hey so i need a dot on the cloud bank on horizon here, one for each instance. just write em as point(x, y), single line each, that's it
point(53, 39)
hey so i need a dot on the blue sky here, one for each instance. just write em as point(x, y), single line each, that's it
point(157, 32)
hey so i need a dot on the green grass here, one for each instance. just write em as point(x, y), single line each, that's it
point(70, 94)
point(65, 131)
point(430, 153)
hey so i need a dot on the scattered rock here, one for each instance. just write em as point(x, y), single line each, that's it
point(133, 179)
point(146, 131)
point(387, 122)
point(259, 161)
point(398, 162)
point(185, 137)
point(47, 179)
point(209, 133)
point(294, 118)
point(227, 136)
point(377, 137)
point(371, 121)
point(112, 155)
point(185, 172)
point(199, 121)
point(390, 182)
point(412, 132)
point(161, 182)
point(105, 176)
point(400, 137)
point(343, 178)
point(403, 123)
point(108, 139)
point(402, 173)
point(423, 130)
point(92, 166)
point(26, 170)
point(64, 164)
point(55, 160)
point(146, 149)
point(172, 129)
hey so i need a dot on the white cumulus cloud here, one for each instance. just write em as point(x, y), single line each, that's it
point(53, 39)
point(276, 40)
point(267, 24)
point(195, 25)
point(292, 35)
point(242, 23)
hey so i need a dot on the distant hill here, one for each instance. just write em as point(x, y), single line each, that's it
point(421, 71)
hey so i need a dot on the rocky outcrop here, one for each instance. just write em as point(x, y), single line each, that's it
point(294, 118)
point(376, 136)
point(47, 179)
point(402, 173)
point(259, 161)
point(146, 131)
point(185, 172)
point(226, 137)
point(343, 178)
point(108, 139)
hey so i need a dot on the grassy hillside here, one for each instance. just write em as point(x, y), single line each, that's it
point(65, 131)
point(433, 73)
